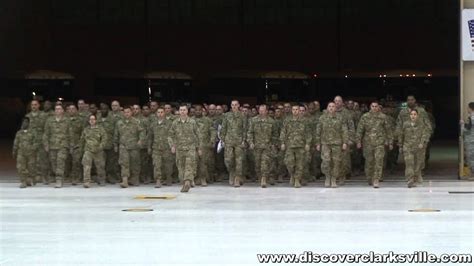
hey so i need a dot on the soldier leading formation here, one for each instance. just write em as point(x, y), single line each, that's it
point(203, 144)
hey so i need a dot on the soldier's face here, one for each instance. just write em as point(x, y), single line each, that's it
point(127, 112)
point(271, 113)
point(115, 106)
point(59, 110)
point(72, 110)
point(92, 120)
point(168, 109)
point(211, 110)
point(413, 115)
point(219, 110)
point(154, 106)
point(287, 108)
point(338, 102)
point(302, 111)
point(104, 109)
point(35, 106)
point(278, 113)
point(235, 106)
point(295, 110)
point(331, 107)
point(146, 110)
point(317, 106)
point(93, 108)
point(411, 101)
point(47, 105)
point(262, 110)
point(136, 109)
point(160, 113)
point(350, 105)
point(198, 111)
point(81, 104)
point(374, 107)
point(183, 111)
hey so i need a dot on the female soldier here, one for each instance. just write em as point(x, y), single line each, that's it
point(413, 138)
point(24, 152)
point(93, 141)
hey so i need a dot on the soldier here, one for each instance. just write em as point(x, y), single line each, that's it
point(405, 116)
point(207, 139)
point(347, 118)
point(233, 135)
point(184, 141)
point(129, 138)
point(93, 141)
point(159, 149)
point(220, 168)
point(331, 137)
point(413, 136)
point(56, 141)
point(48, 108)
point(37, 119)
point(374, 133)
point(295, 139)
point(356, 154)
point(24, 152)
point(76, 126)
point(153, 108)
point(279, 156)
point(83, 110)
point(116, 113)
point(169, 112)
point(314, 109)
point(107, 122)
point(468, 130)
point(145, 159)
point(262, 137)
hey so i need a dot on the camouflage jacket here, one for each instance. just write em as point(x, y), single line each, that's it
point(77, 124)
point(234, 129)
point(404, 116)
point(108, 124)
point(129, 134)
point(374, 129)
point(331, 130)
point(24, 142)
point(262, 133)
point(348, 119)
point(412, 134)
point(57, 133)
point(206, 131)
point(93, 139)
point(37, 122)
point(158, 134)
point(183, 134)
point(295, 133)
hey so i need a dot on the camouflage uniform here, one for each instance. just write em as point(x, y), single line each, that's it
point(56, 139)
point(129, 137)
point(233, 134)
point(76, 126)
point(207, 139)
point(24, 151)
point(315, 163)
point(93, 140)
point(297, 138)
point(112, 168)
point(468, 131)
point(347, 118)
point(219, 162)
point(160, 150)
point(263, 135)
point(42, 169)
point(278, 164)
point(183, 135)
point(331, 133)
point(391, 155)
point(146, 167)
point(410, 135)
point(374, 132)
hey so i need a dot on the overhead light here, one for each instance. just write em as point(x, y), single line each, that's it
point(60, 99)
point(346, 76)
point(401, 75)
point(33, 93)
point(384, 75)
point(315, 75)
point(429, 75)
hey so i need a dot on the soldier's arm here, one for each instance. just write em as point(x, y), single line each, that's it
point(283, 134)
point(141, 135)
point(245, 129)
point(16, 145)
point(317, 135)
point(103, 139)
point(250, 133)
point(400, 134)
point(308, 134)
point(116, 136)
point(46, 135)
point(150, 138)
point(274, 133)
point(171, 135)
point(351, 129)
point(212, 133)
point(388, 132)
point(82, 140)
point(345, 134)
point(360, 130)
point(223, 131)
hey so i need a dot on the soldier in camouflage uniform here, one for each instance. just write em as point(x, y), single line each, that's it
point(221, 170)
point(248, 165)
point(468, 133)
point(207, 139)
point(129, 138)
point(76, 126)
point(331, 137)
point(279, 156)
point(374, 133)
point(56, 141)
point(347, 118)
point(184, 141)
point(413, 136)
point(145, 159)
point(24, 152)
point(233, 134)
point(262, 137)
point(295, 139)
point(159, 149)
point(211, 113)
point(107, 122)
point(92, 142)
point(315, 113)
point(37, 119)
point(405, 116)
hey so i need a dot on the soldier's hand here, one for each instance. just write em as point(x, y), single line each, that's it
point(306, 147)
point(420, 146)
point(318, 147)
point(344, 146)
point(461, 122)
point(282, 147)
point(115, 149)
point(359, 145)
point(390, 147)
point(350, 143)
point(149, 152)
point(46, 148)
point(139, 143)
point(243, 144)
point(252, 146)
point(173, 149)
point(199, 152)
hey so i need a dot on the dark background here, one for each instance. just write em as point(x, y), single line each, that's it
point(108, 44)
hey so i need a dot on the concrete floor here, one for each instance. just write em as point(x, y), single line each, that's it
point(221, 225)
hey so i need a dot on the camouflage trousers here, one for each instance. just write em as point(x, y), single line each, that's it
point(211, 166)
point(234, 160)
point(76, 167)
point(346, 162)
point(57, 159)
point(162, 165)
point(98, 159)
point(186, 161)
point(25, 165)
point(414, 160)
point(146, 167)
point(249, 164)
point(203, 169)
point(112, 167)
point(315, 164)
point(374, 159)
point(332, 156)
point(263, 161)
point(294, 161)
point(129, 161)
point(469, 147)
point(220, 167)
point(43, 165)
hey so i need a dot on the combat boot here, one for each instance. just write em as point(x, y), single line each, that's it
point(280, 179)
point(169, 181)
point(419, 180)
point(271, 181)
point(263, 182)
point(292, 181)
point(376, 183)
point(333, 182)
point(124, 183)
point(297, 183)
point(327, 182)
point(186, 186)
point(203, 182)
point(411, 182)
point(29, 182)
point(237, 181)
point(23, 183)
point(86, 185)
point(158, 183)
point(59, 183)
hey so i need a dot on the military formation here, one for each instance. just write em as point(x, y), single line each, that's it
point(197, 145)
